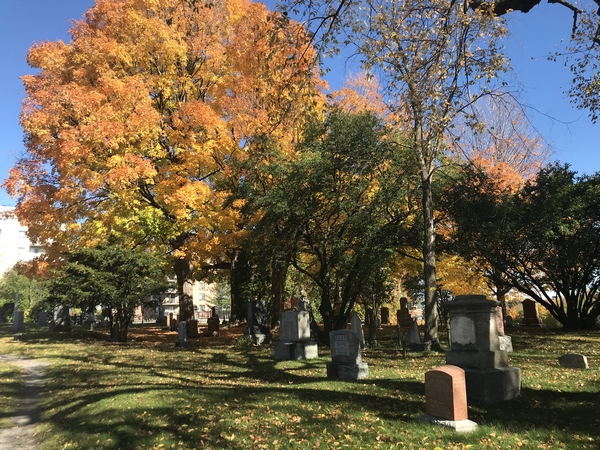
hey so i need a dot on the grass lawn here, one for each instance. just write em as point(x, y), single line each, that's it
point(11, 388)
point(147, 394)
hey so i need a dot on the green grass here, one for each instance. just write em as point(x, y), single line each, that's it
point(11, 388)
point(148, 394)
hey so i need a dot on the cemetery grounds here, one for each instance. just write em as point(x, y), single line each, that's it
point(222, 393)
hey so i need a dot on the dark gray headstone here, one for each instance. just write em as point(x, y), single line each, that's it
point(345, 347)
point(573, 361)
point(61, 320)
point(43, 319)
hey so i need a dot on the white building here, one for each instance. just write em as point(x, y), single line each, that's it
point(14, 244)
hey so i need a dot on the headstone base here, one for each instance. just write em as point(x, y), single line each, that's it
point(422, 347)
point(18, 327)
point(181, 343)
point(348, 372)
point(258, 338)
point(505, 343)
point(295, 350)
point(493, 385)
point(533, 323)
point(477, 359)
point(460, 426)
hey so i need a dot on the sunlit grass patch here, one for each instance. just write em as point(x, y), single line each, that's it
point(149, 394)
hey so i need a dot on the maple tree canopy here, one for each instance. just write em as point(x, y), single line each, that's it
point(128, 126)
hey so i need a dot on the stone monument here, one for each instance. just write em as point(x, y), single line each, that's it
point(213, 323)
point(192, 328)
point(531, 315)
point(403, 317)
point(476, 349)
point(257, 330)
point(446, 399)
point(43, 319)
point(385, 315)
point(90, 321)
point(346, 362)
point(173, 324)
point(182, 340)
point(160, 318)
point(573, 361)
point(18, 324)
point(60, 319)
point(357, 328)
point(295, 340)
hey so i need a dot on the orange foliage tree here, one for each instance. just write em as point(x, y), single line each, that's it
point(129, 126)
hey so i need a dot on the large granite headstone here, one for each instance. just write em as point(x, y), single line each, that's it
point(476, 349)
point(160, 318)
point(182, 339)
point(385, 315)
point(346, 362)
point(257, 330)
point(43, 319)
point(295, 340)
point(173, 324)
point(446, 399)
point(192, 328)
point(18, 324)
point(61, 321)
point(357, 328)
point(531, 315)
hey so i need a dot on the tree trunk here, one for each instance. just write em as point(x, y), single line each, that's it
point(429, 275)
point(240, 274)
point(278, 275)
point(326, 312)
point(185, 288)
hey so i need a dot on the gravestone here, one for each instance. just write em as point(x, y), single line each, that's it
point(257, 330)
point(173, 324)
point(43, 319)
point(295, 338)
point(357, 328)
point(476, 349)
point(192, 328)
point(368, 316)
point(213, 326)
point(385, 315)
point(573, 361)
point(18, 318)
point(160, 318)
point(182, 340)
point(403, 317)
point(60, 319)
point(90, 321)
point(505, 341)
point(414, 338)
point(531, 316)
point(346, 362)
point(446, 399)
point(168, 319)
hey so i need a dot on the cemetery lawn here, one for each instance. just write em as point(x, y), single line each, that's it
point(11, 388)
point(147, 394)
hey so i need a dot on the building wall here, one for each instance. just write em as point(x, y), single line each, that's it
point(14, 244)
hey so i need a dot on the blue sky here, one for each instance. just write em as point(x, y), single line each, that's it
point(533, 36)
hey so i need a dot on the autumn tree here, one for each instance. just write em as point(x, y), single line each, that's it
point(129, 126)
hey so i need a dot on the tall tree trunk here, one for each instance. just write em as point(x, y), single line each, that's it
point(279, 270)
point(240, 275)
point(429, 275)
point(326, 311)
point(185, 288)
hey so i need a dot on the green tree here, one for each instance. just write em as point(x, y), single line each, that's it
point(337, 207)
point(111, 276)
point(31, 291)
point(543, 241)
